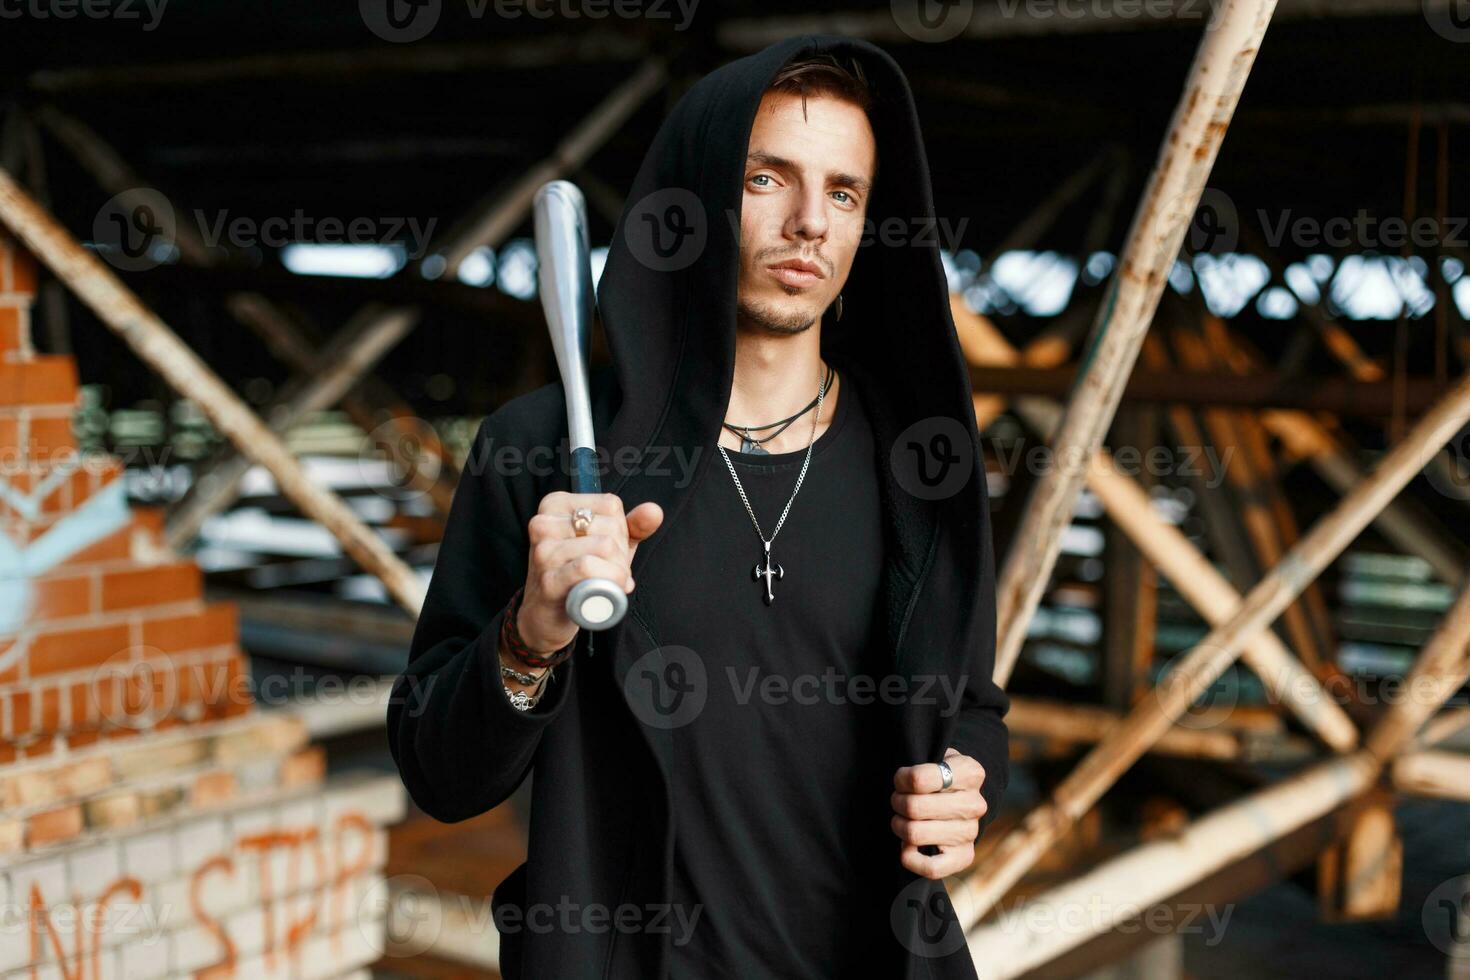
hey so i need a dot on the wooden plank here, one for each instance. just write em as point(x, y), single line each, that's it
point(1204, 663)
point(1221, 66)
point(159, 347)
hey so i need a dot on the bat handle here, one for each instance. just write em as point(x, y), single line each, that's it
point(597, 603)
point(593, 603)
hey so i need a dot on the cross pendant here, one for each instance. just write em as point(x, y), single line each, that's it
point(771, 572)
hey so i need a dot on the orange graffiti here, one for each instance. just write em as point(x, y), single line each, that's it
point(344, 871)
point(41, 919)
point(334, 870)
point(226, 966)
point(296, 930)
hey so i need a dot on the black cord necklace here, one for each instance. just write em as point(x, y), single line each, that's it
point(754, 446)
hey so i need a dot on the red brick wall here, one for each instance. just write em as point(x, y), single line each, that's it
point(103, 633)
point(137, 776)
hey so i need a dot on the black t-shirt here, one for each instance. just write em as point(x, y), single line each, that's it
point(781, 785)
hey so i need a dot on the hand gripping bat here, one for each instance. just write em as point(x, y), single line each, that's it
point(565, 282)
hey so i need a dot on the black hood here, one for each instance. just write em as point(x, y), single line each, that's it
point(670, 316)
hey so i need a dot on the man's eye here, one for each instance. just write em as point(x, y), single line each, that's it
point(761, 176)
point(844, 193)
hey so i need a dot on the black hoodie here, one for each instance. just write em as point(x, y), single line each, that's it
point(600, 821)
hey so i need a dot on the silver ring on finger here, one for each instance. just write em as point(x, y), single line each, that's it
point(946, 775)
point(581, 520)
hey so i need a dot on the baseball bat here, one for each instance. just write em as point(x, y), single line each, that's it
point(565, 279)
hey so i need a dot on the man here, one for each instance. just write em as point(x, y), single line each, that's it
point(743, 777)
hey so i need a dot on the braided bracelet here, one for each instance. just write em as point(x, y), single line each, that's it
point(517, 646)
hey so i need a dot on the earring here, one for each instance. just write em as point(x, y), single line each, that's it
point(838, 305)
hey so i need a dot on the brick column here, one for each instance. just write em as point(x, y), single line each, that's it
point(137, 775)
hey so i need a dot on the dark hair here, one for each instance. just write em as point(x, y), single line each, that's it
point(824, 74)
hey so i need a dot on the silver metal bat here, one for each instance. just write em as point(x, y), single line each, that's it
point(565, 279)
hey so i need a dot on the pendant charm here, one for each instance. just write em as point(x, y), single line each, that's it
point(749, 445)
point(771, 572)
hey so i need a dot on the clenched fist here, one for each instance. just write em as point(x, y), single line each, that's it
point(926, 814)
point(559, 559)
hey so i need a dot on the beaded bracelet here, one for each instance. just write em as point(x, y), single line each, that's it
point(517, 647)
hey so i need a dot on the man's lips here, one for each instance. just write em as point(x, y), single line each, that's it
point(794, 273)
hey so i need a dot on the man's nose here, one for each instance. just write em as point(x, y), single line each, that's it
point(809, 220)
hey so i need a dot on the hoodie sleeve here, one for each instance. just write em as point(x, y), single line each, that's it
point(980, 730)
point(460, 747)
point(981, 733)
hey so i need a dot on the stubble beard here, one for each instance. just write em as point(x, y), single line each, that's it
point(770, 320)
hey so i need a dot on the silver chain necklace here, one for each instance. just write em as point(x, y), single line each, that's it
point(766, 569)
